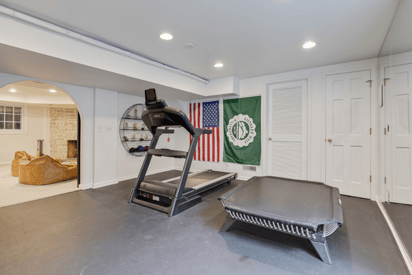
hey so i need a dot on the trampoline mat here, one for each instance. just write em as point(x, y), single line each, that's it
point(292, 201)
point(200, 178)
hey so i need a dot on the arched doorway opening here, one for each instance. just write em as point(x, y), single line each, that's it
point(41, 125)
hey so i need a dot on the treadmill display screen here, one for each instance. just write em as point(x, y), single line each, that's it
point(151, 95)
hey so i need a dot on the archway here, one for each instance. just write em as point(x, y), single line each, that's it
point(44, 121)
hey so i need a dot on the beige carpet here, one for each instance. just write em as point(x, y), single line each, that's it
point(12, 192)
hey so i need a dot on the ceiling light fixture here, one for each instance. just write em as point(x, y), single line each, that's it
point(189, 46)
point(166, 36)
point(52, 91)
point(12, 90)
point(309, 44)
point(218, 65)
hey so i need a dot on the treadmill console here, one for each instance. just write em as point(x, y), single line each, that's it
point(158, 114)
point(151, 100)
point(150, 95)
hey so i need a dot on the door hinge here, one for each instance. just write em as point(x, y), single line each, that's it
point(384, 80)
point(389, 196)
point(384, 131)
point(370, 179)
point(388, 129)
point(370, 82)
point(370, 131)
point(384, 180)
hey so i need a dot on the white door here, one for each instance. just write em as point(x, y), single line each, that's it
point(287, 130)
point(348, 133)
point(399, 139)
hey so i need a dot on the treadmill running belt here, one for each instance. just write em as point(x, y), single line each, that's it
point(193, 181)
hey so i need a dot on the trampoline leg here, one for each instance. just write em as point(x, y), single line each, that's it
point(323, 251)
point(228, 223)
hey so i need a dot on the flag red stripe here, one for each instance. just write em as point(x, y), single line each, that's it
point(198, 126)
point(218, 144)
point(208, 146)
point(191, 121)
point(194, 123)
point(203, 147)
point(213, 145)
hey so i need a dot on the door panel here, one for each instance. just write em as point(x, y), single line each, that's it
point(348, 129)
point(287, 129)
point(398, 139)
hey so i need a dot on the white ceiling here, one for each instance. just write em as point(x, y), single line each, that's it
point(34, 92)
point(399, 38)
point(250, 38)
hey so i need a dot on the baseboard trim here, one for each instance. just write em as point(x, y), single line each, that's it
point(127, 177)
point(104, 183)
point(402, 248)
point(86, 186)
point(5, 163)
point(244, 178)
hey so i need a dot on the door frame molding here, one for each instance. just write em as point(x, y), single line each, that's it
point(385, 62)
point(374, 122)
point(384, 140)
point(293, 83)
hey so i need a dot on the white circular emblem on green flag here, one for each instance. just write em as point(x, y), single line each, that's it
point(241, 130)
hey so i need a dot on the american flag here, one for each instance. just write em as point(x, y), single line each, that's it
point(206, 115)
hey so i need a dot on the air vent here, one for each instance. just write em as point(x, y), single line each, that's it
point(249, 168)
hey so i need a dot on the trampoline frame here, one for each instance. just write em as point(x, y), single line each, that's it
point(316, 237)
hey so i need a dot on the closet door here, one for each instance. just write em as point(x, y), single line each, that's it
point(348, 162)
point(287, 131)
point(399, 139)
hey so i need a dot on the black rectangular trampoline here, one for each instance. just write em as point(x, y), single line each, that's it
point(306, 209)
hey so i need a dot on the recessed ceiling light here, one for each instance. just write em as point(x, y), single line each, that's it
point(166, 36)
point(218, 65)
point(52, 91)
point(12, 90)
point(309, 44)
point(189, 46)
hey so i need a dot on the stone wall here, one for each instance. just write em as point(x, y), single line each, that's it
point(63, 127)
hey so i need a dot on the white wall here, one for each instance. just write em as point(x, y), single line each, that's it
point(386, 62)
point(316, 119)
point(37, 127)
point(106, 108)
point(104, 161)
point(105, 138)
point(128, 166)
point(84, 100)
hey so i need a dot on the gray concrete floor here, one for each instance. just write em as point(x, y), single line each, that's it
point(401, 216)
point(97, 232)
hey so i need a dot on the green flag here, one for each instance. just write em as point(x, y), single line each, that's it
point(242, 142)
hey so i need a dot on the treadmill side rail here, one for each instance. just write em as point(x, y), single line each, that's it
point(186, 169)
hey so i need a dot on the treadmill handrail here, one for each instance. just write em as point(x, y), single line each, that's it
point(207, 131)
point(157, 116)
point(167, 153)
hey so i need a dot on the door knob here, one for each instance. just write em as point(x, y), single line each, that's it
point(329, 140)
point(270, 138)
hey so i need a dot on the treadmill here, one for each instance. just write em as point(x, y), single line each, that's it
point(175, 195)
